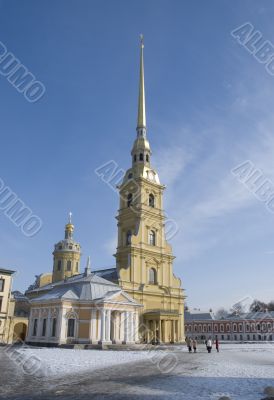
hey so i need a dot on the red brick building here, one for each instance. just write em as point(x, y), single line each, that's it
point(257, 326)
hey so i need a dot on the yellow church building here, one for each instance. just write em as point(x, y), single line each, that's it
point(141, 300)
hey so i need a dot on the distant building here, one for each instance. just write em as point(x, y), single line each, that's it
point(255, 326)
point(5, 295)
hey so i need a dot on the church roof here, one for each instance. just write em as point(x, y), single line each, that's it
point(81, 287)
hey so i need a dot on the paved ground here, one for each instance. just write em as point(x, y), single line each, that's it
point(142, 380)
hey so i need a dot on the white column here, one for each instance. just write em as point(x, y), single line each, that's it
point(108, 325)
point(126, 326)
point(131, 327)
point(122, 327)
point(103, 325)
point(98, 325)
point(136, 329)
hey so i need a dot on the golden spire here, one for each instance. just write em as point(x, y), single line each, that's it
point(141, 121)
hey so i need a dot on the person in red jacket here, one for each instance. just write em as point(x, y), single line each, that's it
point(217, 344)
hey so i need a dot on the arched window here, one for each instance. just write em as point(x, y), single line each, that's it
point(141, 157)
point(59, 265)
point(147, 158)
point(152, 238)
point(152, 276)
point(128, 238)
point(129, 199)
point(135, 157)
point(151, 200)
point(234, 328)
point(68, 265)
point(71, 327)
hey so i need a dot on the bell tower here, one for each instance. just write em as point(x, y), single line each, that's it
point(144, 258)
point(66, 255)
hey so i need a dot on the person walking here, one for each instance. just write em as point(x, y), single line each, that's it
point(209, 345)
point(217, 344)
point(189, 344)
point(195, 345)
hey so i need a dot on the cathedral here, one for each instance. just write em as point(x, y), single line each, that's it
point(139, 301)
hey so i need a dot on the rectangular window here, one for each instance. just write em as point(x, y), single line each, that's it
point(2, 285)
point(34, 332)
point(53, 331)
point(1, 303)
point(44, 328)
point(71, 326)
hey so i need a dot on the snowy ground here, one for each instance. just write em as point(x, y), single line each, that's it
point(240, 371)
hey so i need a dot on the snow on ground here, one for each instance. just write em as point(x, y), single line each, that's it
point(240, 371)
point(53, 361)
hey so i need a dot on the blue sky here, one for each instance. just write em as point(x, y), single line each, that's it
point(209, 108)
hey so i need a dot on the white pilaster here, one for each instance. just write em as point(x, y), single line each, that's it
point(92, 335)
point(103, 325)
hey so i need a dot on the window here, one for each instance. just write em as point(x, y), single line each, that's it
point(2, 284)
point(44, 327)
point(59, 265)
point(222, 328)
point(60, 247)
point(147, 158)
point(34, 331)
point(227, 327)
point(129, 199)
point(235, 337)
point(151, 200)
point(152, 238)
point(248, 337)
point(228, 337)
point(208, 328)
point(53, 328)
point(254, 337)
point(141, 157)
point(135, 158)
point(130, 175)
point(128, 238)
point(247, 327)
point(240, 327)
point(68, 265)
point(152, 276)
point(1, 302)
point(234, 328)
point(223, 338)
point(204, 328)
point(71, 327)
point(258, 327)
point(70, 247)
point(241, 337)
point(215, 328)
